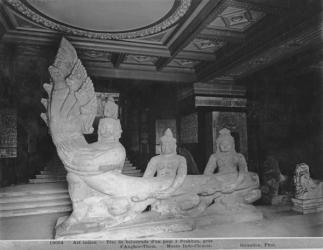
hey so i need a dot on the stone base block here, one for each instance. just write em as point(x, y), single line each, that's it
point(306, 206)
point(151, 224)
point(147, 224)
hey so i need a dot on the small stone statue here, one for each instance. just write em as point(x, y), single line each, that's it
point(226, 160)
point(111, 108)
point(308, 192)
point(232, 176)
point(168, 165)
point(305, 186)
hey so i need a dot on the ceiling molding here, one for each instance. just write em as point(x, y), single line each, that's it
point(236, 19)
point(225, 35)
point(117, 59)
point(252, 5)
point(163, 24)
point(298, 64)
point(194, 55)
point(5, 19)
point(284, 49)
point(182, 63)
point(139, 73)
point(204, 13)
point(198, 47)
point(139, 59)
point(48, 37)
point(94, 55)
point(275, 35)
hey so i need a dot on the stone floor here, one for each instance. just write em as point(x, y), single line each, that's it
point(277, 222)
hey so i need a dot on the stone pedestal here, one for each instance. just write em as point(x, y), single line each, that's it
point(306, 206)
point(147, 224)
point(150, 224)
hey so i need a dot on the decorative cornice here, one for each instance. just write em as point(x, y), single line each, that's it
point(267, 46)
point(185, 63)
point(164, 24)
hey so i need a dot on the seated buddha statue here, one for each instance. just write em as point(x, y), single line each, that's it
point(226, 161)
point(230, 171)
point(181, 195)
point(168, 165)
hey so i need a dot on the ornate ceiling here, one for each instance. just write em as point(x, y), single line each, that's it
point(167, 40)
point(107, 19)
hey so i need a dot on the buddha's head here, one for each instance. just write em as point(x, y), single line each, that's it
point(111, 108)
point(168, 143)
point(109, 129)
point(225, 141)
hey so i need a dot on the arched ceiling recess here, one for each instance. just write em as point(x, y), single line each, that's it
point(104, 19)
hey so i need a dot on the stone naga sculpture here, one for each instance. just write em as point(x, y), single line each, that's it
point(102, 197)
point(98, 190)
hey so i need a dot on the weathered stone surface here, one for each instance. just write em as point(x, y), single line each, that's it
point(97, 187)
point(147, 224)
point(239, 187)
point(151, 224)
point(308, 192)
point(308, 205)
point(105, 200)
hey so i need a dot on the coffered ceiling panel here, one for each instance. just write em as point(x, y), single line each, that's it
point(94, 55)
point(236, 19)
point(183, 63)
point(138, 59)
point(204, 45)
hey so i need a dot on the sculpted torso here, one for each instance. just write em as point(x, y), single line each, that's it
point(225, 163)
point(166, 165)
point(226, 160)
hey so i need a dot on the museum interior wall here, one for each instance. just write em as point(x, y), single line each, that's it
point(273, 113)
point(21, 78)
point(281, 120)
point(220, 100)
point(285, 115)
